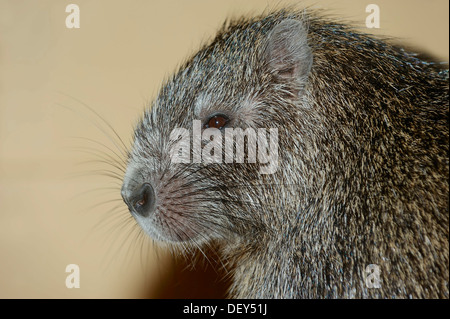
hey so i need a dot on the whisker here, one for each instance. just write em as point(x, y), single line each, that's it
point(113, 216)
point(101, 155)
point(97, 161)
point(109, 190)
point(107, 173)
point(123, 147)
point(106, 202)
point(118, 159)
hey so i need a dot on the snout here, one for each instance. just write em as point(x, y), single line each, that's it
point(140, 200)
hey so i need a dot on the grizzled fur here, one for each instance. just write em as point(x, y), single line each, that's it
point(363, 162)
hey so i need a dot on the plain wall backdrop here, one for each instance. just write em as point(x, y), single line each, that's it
point(56, 207)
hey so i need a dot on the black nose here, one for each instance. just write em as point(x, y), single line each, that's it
point(142, 200)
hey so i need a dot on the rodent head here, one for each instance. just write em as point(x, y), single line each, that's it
point(252, 76)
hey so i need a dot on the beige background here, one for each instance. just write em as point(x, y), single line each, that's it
point(50, 216)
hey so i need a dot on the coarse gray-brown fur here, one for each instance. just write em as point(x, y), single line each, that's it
point(363, 164)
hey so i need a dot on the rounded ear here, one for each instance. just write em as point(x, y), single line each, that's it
point(287, 53)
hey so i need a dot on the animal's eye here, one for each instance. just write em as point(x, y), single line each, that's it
point(217, 121)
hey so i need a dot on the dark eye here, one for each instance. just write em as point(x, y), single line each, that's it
point(217, 121)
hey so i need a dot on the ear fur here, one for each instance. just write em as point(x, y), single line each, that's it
point(287, 52)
